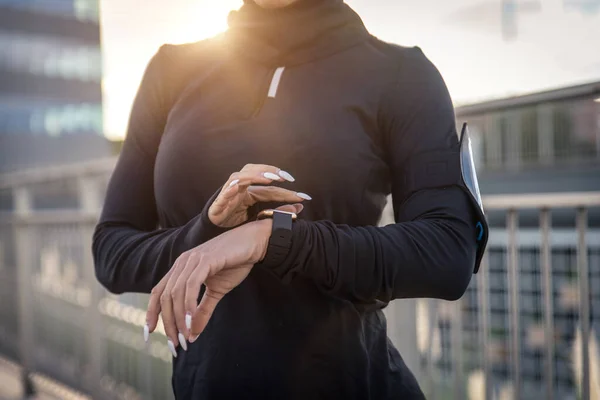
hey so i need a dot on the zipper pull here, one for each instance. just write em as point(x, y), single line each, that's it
point(275, 82)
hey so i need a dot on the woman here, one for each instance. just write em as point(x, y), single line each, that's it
point(273, 308)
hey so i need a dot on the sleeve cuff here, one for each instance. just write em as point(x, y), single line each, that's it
point(206, 230)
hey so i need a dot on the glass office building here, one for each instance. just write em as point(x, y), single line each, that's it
point(50, 82)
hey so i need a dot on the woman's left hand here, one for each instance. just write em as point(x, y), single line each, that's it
point(220, 264)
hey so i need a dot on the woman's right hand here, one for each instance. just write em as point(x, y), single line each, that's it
point(230, 208)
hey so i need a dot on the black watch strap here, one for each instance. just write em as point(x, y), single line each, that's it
point(280, 240)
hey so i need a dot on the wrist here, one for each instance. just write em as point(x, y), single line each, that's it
point(280, 234)
point(264, 228)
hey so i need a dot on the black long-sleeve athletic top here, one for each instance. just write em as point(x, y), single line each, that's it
point(307, 89)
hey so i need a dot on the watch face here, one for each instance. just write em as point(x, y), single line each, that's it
point(269, 214)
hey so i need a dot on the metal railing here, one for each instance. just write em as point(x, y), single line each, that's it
point(66, 326)
point(581, 202)
point(509, 245)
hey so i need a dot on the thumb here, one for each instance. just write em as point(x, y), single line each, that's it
point(295, 208)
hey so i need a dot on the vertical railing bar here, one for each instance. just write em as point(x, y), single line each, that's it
point(24, 243)
point(457, 346)
point(432, 319)
point(513, 282)
point(584, 300)
point(90, 203)
point(548, 293)
point(484, 313)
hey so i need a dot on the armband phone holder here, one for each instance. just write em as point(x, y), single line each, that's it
point(445, 168)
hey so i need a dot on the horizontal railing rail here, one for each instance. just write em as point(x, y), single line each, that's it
point(34, 176)
point(542, 200)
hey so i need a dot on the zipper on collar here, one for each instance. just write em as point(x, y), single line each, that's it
point(270, 91)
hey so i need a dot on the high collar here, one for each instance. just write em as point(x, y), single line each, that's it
point(299, 33)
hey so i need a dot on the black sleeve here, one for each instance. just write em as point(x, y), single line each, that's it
point(430, 250)
point(130, 253)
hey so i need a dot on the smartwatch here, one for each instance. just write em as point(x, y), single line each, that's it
point(280, 241)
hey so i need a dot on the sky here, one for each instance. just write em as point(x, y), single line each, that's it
point(544, 44)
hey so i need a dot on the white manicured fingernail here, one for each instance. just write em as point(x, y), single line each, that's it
point(286, 175)
point(171, 347)
point(146, 333)
point(303, 196)
point(188, 321)
point(182, 341)
point(272, 176)
point(234, 182)
point(194, 338)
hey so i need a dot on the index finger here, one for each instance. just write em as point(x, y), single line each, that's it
point(268, 168)
point(275, 193)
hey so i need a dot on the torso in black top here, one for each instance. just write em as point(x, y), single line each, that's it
point(343, 120)
point(321, 126)
point(319, 112)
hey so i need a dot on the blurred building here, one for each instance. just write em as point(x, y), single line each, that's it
point(545, 142)
point(50, 83)
point(542, 142)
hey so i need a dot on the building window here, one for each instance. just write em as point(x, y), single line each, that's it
point(529, 137)
point(51, 57)
point(87, 10)
point(40, 118)
point(575, 131)
point(493, 139)
point(545, 134)
point(83, 10)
